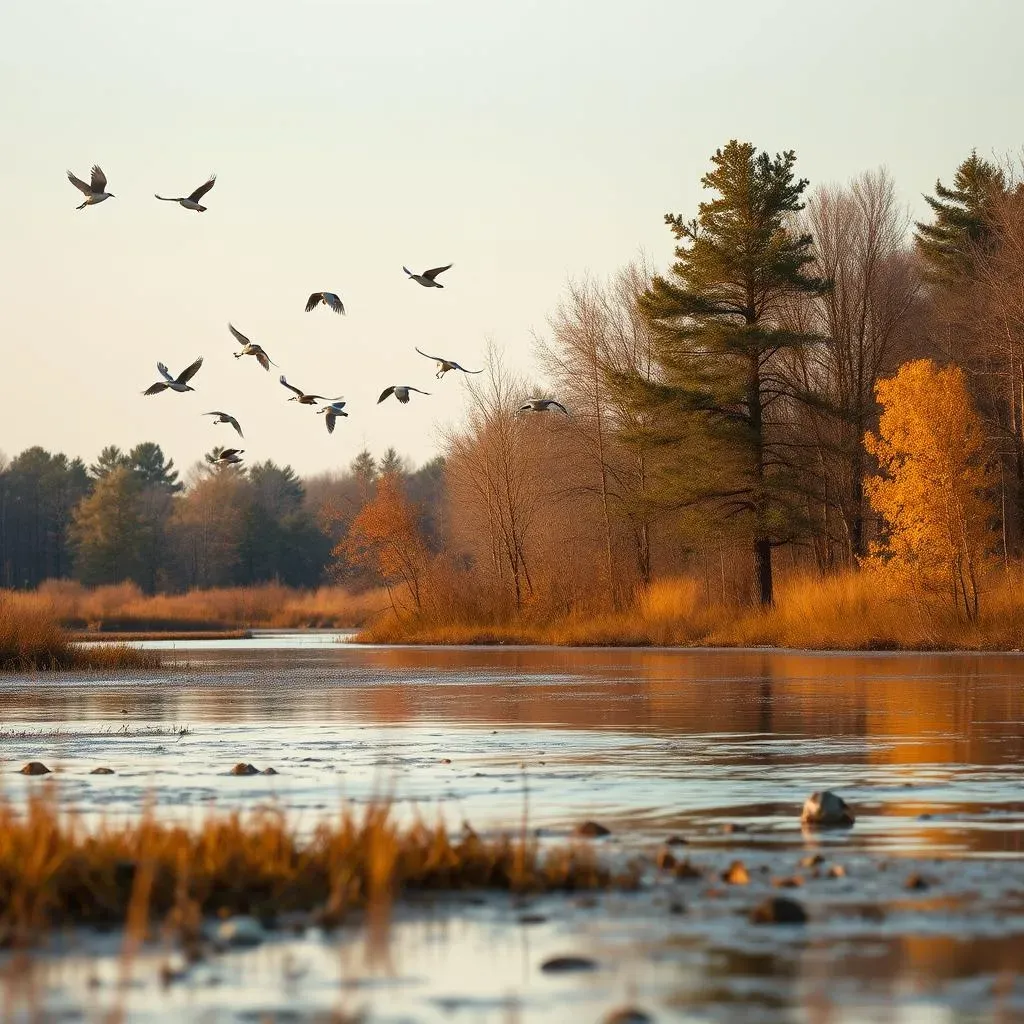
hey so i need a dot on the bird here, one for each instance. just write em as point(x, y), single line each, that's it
point(444, 365)
point(179, 383)
point(250, 348)
point(223, 417)
point(191, 202)
point(332, 412)
point(328, 299)
point(542, 405)
point(401, 392)
point(302, 398)
point(427, 277)
point(228, 457)
point(96, 191)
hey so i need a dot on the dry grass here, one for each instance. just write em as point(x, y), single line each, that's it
point(848, 611)
point(53, 871)
point(31, 640)
point(124, 608)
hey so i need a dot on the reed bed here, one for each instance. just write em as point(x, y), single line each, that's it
point(54, 871)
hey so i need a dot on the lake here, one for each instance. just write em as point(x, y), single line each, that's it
point(719, 747)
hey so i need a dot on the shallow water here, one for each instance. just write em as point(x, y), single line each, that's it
point(718, 746)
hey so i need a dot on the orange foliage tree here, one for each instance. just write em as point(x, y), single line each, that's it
point(385, 537)
point(934, 494)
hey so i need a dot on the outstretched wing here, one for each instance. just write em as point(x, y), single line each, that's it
point(203, 189)
point(155, 389)
point(190, 371)
point(417, 390)
point(166, 199)
point(329, 420)
point(437, 359)
point(263, 359)
point(313, 301)
point(334, 301)
point(431, 274)
point(226, 453)
point(291, 387)
point(79, 184)
point(406, 269)
point(239, 336)
point(385, 394)
point(558, 405)
point(98, 181)
point(235, 424)
point(165, 373)
point(464, 370)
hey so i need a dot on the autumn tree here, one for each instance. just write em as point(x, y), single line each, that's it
point(934, 489)
point(718, 334)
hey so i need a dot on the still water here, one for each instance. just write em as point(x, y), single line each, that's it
point(720, 747)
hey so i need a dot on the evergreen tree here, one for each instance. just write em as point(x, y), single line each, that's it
point(110, 458)
point(153, 468)
point(110, 530)
point(962, 218)
point(716, 332)
point(392, 463)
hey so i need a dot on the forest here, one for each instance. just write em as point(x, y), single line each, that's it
point(816, 400)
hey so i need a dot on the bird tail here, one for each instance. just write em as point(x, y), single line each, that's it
point(201, 209)
point(82, 207)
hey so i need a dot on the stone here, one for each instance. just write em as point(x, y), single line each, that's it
point(532, 919)
point(665, 860)
point(736, 873)
point(916, 882)
point(241, 932)
point(563, 964)
point(685, 870)
point(676, 841)
point(35, 768)
point(102, 771)
point(778, 910)
point(591, 830)
point(628, 1015)
point(812, 861)
point(826, 810)
point(836, 871)
point(270, 771)
point(244, 769)
point(789, 882)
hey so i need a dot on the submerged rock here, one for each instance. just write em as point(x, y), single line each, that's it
point(778, 910)
point(102, 771)
point(241, 932)
point(826, 810)
point(532, 919)
point(665, 859)
point(628, 1015)
point(35, 768)
point(591, 829)
point(677, 841)
point(245, 769)
point(270, 771)
point(736, 873)
point(559, 964)
point(916, 881)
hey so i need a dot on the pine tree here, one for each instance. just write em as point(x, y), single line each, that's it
point(153, 468)
point(716, 335)
point(962, 218)
point(110, 458)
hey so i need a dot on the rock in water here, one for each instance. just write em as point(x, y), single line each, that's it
point(270, 771)
point(102, 771)
point(35, 768)
point(241, 932)
point(628, 1015)
point(778, 910)
point(559, 964)
point(826, 810)
point(244, 769)
point(591, 829)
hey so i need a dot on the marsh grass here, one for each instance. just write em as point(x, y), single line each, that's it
point(54, 871)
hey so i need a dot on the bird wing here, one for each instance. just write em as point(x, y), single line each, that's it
point(263, 359)
point(190, 371)
point(528, 407)
point(226, 453)
point(558, 405)
point(155, 389)
point(215, 413)
point(329, 420)
point(437, 359)
point(464, 370)
point(291, 387)
point(79, 184)
point(313, 301)
point(385, 393)
point(203, 189)
point(334, 301)
point(431, 274)
point(417, 390)
point(239, 336)
point(236, 425)
point(98, 181)
point(164, 372)
point(166, 199)
point(406, 269)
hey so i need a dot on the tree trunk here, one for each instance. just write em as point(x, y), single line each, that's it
point(763, 570)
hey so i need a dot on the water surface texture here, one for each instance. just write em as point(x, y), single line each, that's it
point(720, 747)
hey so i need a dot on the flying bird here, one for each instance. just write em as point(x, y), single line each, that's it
point(328, 299)
point(401, 392)
point(302, 398)
point(332, 412)
point(427, 277)
point(542, 405)
point(223, 417)
point(250, 348)
point(191, 202)
point(179, 383)
point(96, 191)
point(227, 457)
point(444, 365)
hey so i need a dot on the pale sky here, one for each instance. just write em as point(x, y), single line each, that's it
point(524, 142)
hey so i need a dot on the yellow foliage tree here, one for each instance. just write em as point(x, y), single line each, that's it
point(935, 491)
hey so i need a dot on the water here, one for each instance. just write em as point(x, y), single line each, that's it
point(721, 747)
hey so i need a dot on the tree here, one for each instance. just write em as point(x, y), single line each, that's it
point(110, 458)
point(934, 491)
point(153, 468)
point(717, 337)
point(962, 221)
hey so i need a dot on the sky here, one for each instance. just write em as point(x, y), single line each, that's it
point(525, 142)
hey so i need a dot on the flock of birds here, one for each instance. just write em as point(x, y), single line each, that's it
point(95, 191)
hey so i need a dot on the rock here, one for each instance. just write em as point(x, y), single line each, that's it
point(790, 882)
point(826, 810)
point(836, 871)
point(244, 769)
point(102, 771)
point(812, 861)
point(676, 841)
point(917, 882)
point(532, 919)
point(778, 910)
point(241, 932)
point(677, 907)
point(446, 760)
point(731, 826)
point(665, 860)
point(35, 768)
point(736, 873)
point(269, 771)
point(685, 870)
point(561, 964)
point(628, 1015)
point(591, 829)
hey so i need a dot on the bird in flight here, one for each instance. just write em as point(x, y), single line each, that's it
point(223, 417)
point(332, 412)
point(542, 405)
point(302, 398)
point(444, 365)
point(328, 299)
point(401, 392)
point(427, 278)
point(191, 202)
point(227, 457)
point(250, 348)
point(96, 191)
point(179, 383)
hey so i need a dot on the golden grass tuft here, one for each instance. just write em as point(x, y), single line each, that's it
point(54, 871)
